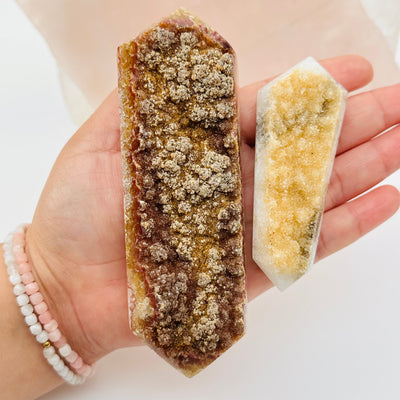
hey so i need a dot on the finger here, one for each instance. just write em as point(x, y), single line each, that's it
point(345, 224)
point(256, 281)
point(368, 114)
point(340, 227)
point(353, 72)
point(247, 166)
point(101, 131)
point(363, 167)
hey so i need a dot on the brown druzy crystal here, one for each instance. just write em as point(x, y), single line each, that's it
point(182, 191)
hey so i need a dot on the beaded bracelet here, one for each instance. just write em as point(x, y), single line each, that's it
point(42, 325)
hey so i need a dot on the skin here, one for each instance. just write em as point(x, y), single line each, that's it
point(76, 241)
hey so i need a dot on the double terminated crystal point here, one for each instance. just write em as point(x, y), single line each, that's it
point(299, 117)
point(182, 191)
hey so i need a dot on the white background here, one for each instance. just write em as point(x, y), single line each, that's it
point(333, 335)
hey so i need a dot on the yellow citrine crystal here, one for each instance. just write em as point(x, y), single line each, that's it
point(299, 117)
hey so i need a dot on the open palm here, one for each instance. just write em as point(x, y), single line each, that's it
point(76, 240)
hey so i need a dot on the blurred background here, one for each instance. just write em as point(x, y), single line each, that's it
point(332, 335)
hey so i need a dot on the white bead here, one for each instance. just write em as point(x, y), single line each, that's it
point(42, 337)
point(49, 351)
point(31, 319)
point(58, 365)
point(74, 380)
point(63, 371)
point(7, 250)
point(36, 329)
point(69, 380)
point(22, 299)
point(11, 270)
point(70, 375)
point(9, 259)
point(89, 371)
point(15, 278)
point(65, 350)
point(19, 288)
point(10, 265)
point(20, 228)
point(17, 247)
point(53, 360)
point(27, 309)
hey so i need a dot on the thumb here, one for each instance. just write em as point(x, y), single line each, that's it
point(100, 133)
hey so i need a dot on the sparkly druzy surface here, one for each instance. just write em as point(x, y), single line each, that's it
point(182, 187)
point(299, 118)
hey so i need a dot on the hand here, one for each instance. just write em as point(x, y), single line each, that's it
point(362, 161)
point(76, 240)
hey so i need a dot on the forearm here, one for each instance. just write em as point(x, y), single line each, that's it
point(24, 372)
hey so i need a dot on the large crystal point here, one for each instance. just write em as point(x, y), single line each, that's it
point(182, 187)
point(299, 117)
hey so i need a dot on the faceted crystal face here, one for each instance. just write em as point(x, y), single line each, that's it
point(182, 186)
point(299, 118)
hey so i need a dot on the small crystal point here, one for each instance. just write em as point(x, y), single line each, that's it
point(299, 118)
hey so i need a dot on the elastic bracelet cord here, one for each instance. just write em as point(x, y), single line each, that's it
point(58, 353)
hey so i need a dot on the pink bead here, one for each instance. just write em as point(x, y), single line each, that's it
point(20, 257)
point(51, 326)
point(54, 335)
point(60, 343)
point(77, 363)
point(81, 369)
point(27, 277)
point(19, 238)
point(72, 357)
point(18, 248)
point(45, 318)
point(88, 371)
point(23, 268)
point(41, 308)
point(85, 370)
point(31, 288)
point(36, 298)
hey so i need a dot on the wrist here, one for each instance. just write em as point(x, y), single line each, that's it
point(57, 352)
point(87, 297)
point(22, 355)
point(55, 279)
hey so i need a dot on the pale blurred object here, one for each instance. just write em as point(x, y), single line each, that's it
point(268, 36)
point(77, 103)
point(386, 15)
